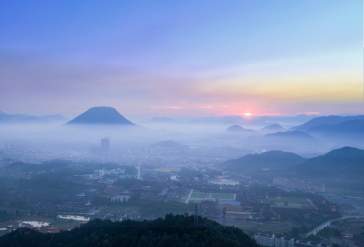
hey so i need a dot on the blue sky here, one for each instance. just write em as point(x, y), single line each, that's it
point(182, 57)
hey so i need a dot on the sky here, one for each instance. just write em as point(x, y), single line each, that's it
point(182, 58)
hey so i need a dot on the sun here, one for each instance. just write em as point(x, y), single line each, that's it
point(247, 114)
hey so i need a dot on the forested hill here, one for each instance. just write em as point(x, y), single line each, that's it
point(337, 163)
point(174, 231)
point(270, 159)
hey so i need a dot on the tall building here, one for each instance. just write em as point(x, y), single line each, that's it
point(264, 238)
point(105, 144)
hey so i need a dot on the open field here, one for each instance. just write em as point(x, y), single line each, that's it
point(55, 225)
point(199, 196)
point(293, 202)
point(223, 196)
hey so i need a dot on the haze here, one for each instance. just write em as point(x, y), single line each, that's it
point(244, 119)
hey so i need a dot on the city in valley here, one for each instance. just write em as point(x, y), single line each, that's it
point(181, 123)
point(59, 180)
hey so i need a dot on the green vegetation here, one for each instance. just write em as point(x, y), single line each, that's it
point(5, 215)
point(313, 238)
point(271, 159)
point(290, 199)
point(189, 172)
point(200, 195)
point(160, 209)
point(55, 183)
point(360, 237)
point(329, 231)
point(340, 169)
point(222, 196)
point(176, 231)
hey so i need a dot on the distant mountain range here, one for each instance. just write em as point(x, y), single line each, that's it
point(336, 130)
point(258, 121)
point(239, 129)
point(326, 120)
point(272, 128)
point(352, 128)
point(270, 160)
point(101, 115)
point(341, 170)
point(289, 134)
point(28, 119)
point(290, 141)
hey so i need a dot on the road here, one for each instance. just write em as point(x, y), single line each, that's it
point(328, 223)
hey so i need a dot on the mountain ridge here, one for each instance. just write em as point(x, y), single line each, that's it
point(238, 129)
point(27, 119)
point(100, 115)
point(326, 120)
point(335, 159)
point(271, 159)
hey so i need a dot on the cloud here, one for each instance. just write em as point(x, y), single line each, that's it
point(42, 84)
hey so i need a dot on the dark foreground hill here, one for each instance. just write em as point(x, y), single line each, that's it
point(344, 162)
point(174, 231)
point(271, 160)
point(100, 115)
point(341, 170)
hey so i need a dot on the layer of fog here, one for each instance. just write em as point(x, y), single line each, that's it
point(195, 136)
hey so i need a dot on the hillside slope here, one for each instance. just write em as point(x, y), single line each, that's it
point(270, 160)
point(175, 231)
point(100, 115)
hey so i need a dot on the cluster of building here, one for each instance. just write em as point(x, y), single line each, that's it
point(107, 176)
point(345, 242)
point(269, 239)
point(222, 180)
point(291, 183)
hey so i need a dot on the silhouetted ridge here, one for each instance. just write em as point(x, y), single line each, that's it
point(338, 160)
point(101, 115)
point(328, 120)
point(352, 127)
point(290, 134)
point(273, 127)
point(271, 159)
point(175, 230)
point(238, 128)
point(28, 119)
